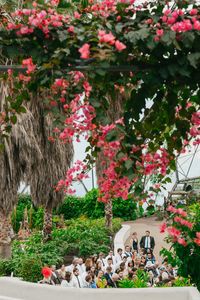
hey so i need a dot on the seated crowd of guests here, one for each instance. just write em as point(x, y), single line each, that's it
point(99, 271)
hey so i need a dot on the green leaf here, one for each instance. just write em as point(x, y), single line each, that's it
point(13, 119)
point(128, 164)
point(194, 59)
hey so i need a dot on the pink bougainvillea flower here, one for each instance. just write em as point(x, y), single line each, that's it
point(182, 241)
point(171, 209)
point(106, 37)
point(77, 15)
point(159, 32)
point(120, 46)
point(197, 241)
point(85, 51)
point(29, 64)
point(163, 227)
point(181, 212)
point(173, 232)
point(198, 235)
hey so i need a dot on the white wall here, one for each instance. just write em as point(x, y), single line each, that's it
point(12, 287)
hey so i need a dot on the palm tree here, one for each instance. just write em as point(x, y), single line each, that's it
point(47, 171)
point(29, 156)
point(14, 164)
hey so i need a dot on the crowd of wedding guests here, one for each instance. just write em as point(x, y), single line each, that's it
point(100, 271)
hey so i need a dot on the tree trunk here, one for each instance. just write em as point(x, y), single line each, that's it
point(113, 113)
point(47, 226)
point(108, 214)
point(6, 235)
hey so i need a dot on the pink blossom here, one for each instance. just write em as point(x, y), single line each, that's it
point(181, 212)
point(85, 51)
point(193, 12)
point(71, 29)
point(171, 209)
point(197, 241)
point(106, 37)
point(163, 227)
point(182, 242)
point(120, 46)
point(77, 15)
point(173, 232)
point(198, 235)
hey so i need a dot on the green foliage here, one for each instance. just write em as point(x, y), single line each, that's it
point(30, 268)
point(92, 208)
point(5, 267)
point(18, 213)
point(126, 284)
point(187, 258)
point(35, 215)
point(181, 282)
point(72, 207)
point(81, 237)
point(140, 281)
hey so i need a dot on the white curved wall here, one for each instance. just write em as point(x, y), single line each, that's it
point(121, 237)
point(10, 287)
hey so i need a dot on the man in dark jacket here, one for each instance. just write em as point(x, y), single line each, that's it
point(55, 277)
point(147, 241)
point(108, 276)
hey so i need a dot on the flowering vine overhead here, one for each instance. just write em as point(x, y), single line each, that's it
point(93, 55)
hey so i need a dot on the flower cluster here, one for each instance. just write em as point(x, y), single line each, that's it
point(195, 129)
point(43, 19)
point(154, 163)
point(180, 231)
point(76, 173)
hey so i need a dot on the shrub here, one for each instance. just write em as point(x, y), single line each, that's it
point(72, 207)
point(92, 208)
point(5, 267)
point(18, 213)
point(185, 249)
point(140, 281)
point(81, 237)
point(30, 268)
point(181, 282)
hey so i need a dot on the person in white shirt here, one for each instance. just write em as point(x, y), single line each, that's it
point(81, 266)
point(71, 267)
point(77, 280)
point(101, 259)
point(118, 257)
point(109, 263)
point(67, 282)
point(110, 255)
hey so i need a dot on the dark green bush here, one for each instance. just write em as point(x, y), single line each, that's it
point(5, 267)
point(89, 206)
point(73, 207)
point(18, 213)
point(30, 268)
point(35, 215)
point(81, 237)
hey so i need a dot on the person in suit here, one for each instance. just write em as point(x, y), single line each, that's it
point(108, 276)
point(147, 241)
point(55, 277)
point(115, 278)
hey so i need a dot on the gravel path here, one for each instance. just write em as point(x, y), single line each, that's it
point(149, 223)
